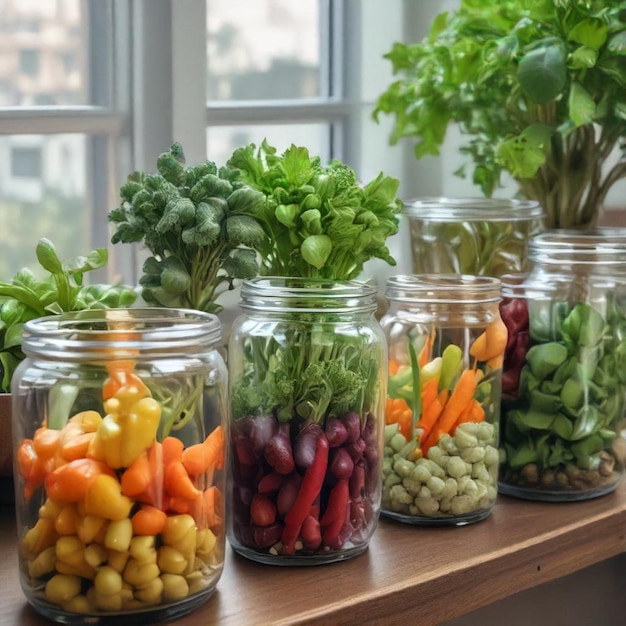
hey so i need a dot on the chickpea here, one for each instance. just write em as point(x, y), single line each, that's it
point(152, 592)
point(119, 535)
point(142, 549)
point(140, 574)
point(61, 588)
point(175, 587)
point(107, 581)
point(43, 563)
point(170, 560)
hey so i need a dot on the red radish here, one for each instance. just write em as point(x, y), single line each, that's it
point(278, 451)
point(262, 510)
point(335, 432)
point(341, 465)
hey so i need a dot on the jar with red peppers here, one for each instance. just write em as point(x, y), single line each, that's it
point(307, 363)
point(564, 379)
point(119, 433)
point(446, 346)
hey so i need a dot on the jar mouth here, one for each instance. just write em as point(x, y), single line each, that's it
point(443, 288)
point(280, 293)
point(606, 246)
point(114, 333)
point(446, 209)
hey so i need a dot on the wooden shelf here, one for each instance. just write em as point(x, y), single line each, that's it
point(407, 571)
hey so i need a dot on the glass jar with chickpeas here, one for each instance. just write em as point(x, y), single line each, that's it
point(446, 347)
point(119, 445)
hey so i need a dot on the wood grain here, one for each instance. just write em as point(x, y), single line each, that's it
point(407, 573)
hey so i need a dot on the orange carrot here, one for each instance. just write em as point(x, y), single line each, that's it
point(425, 354)
point(30, 467)
point(137, 477)
point(202, 457)
point(46, 442)
point(148, 520)
point(177, 482)
point(394, 366)
point(75, 447)
point(397, 411)
point(208, 509)
point(172, 449)
point(460, 397)
point(431, 407)
point(492, 342)
point(69, 483)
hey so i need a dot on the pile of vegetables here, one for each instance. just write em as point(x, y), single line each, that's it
point(565, 373)
point(307, 386)
point(440, 455)
point(27, 297)
point(127, 520)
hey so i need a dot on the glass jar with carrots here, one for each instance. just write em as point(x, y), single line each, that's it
point(119, 435)
point(446, 347)
point(564, 380)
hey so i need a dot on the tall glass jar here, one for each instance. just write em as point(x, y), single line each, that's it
point(119, 457)
point(565, 369)
point(475, 236)
point(307, 385)
point(446, 347)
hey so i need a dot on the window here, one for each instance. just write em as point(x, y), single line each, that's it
point(211, 74)
point(64, 130)
point(26, 162)
point(29, 62)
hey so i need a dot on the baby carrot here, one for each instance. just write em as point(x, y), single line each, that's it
point(177, 482)
point(460, 397)
point(148, 520)
point(201, 457)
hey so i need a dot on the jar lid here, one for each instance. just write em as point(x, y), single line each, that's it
point(444, 209)
point(118, 333)
point(606, 246)
point(443, 288)
point(278, 293)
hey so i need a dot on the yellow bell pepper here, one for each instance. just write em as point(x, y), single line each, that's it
point(128, 429)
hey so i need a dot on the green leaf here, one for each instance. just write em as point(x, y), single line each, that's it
point(583, 57)
point(316, 249)
point(617, 43)
point(582, 108)
point(542, 72)
point(589, 32)
point(246, 201)
point(524, 154)
point(47, 256)
point(297, 165)
point(174, 278)
point(243, 230)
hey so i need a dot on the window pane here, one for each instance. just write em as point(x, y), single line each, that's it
point(43, 193)
point(263, 50)
point(222, 141)
point(45, 47)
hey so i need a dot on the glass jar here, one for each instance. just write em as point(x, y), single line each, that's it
point(565, 369)
point(307, 386)
point(119, 464)
point(475, 236)
point(446, 347)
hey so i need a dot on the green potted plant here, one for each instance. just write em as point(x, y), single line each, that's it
point(538, 89)
point(27, 296)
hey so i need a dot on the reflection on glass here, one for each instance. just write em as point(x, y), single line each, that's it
point(263, 50)
point(42, 194)
point(44, 53)
point(222, 141)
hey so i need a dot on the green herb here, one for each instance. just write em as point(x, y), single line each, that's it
point(319, 221)
point(27, 297)
point(537, 86)
point(200, 224)
point(311, 374)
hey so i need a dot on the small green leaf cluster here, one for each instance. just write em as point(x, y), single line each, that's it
point(200, 224)
point(319, 221)
point(527, 81)
point(27, 297)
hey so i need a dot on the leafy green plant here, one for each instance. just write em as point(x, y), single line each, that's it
point(199, 223)
point(537, 86)
point(27, 297)
point(319, 221)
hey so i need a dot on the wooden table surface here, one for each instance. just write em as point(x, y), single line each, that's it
point(408, 575)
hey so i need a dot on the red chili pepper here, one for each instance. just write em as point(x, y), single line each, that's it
point(337, 500)
point(308, 492)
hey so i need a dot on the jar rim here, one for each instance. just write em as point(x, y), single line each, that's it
point(288, 293)
point(144, 330)
point(599, 245)
point(443, 288)
point(450, 209)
